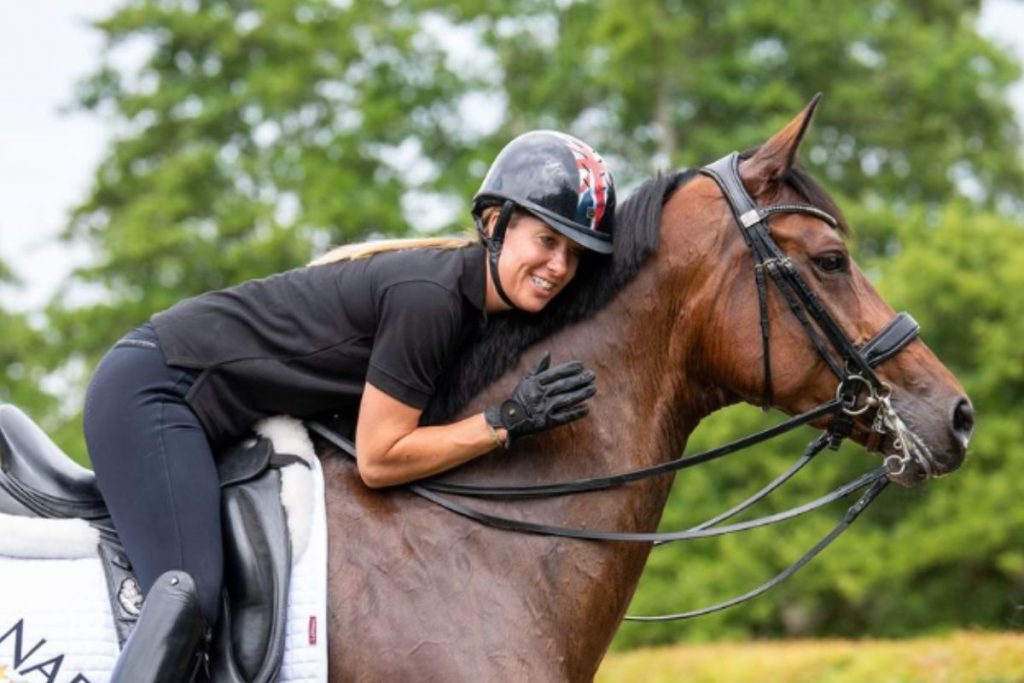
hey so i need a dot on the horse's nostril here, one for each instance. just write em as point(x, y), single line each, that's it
point(963, 419)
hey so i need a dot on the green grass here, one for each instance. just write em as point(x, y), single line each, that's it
point(966, 657)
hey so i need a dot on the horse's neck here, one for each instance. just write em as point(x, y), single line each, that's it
point(645, 408)
point(647, 403)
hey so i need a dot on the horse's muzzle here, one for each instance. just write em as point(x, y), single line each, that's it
point(928, 453)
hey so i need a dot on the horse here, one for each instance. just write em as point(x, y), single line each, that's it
point(416, 593)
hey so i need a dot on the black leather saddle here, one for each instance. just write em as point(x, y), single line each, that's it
point(38, 480)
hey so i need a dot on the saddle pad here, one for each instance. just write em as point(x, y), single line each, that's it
point(55, 622)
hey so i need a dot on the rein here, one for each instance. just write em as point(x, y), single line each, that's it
point(856, 377)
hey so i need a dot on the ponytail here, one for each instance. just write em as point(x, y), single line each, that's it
point(361, 250)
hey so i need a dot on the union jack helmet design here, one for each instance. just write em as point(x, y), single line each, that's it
point(561, 180)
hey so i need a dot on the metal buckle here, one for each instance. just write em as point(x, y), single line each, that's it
point(845, 392)
point(775, 265)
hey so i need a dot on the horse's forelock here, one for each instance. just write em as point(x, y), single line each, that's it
point(499, 346)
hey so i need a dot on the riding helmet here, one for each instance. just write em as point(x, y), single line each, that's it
point(559, 179)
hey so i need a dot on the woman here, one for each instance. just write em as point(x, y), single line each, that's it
point(346, 333)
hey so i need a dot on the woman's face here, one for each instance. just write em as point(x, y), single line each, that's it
point(536, 264)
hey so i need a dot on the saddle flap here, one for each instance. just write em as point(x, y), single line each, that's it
point(257, 563)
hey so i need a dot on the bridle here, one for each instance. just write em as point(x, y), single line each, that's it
point(854, 370)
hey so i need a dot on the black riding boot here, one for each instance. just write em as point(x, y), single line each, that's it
point(165, 646)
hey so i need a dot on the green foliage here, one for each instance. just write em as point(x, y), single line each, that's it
point(21, 380)
point(915, 98)
point(21, 375)
point(257, 132)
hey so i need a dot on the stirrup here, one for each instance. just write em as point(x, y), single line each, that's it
point(169, 642)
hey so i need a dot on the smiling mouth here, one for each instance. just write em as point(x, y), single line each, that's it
point(543, 284)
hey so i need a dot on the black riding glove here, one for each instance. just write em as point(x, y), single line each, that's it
point(545, 398)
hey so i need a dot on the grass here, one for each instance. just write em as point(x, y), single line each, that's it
point(965, 657)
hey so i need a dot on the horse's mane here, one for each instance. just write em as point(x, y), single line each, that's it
point(488, 355)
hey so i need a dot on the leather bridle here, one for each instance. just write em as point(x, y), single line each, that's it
point(854, 370)
point(769, 258)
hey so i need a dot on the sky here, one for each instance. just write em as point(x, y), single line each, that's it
point(47, 155)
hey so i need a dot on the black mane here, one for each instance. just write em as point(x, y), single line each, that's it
point(498, 347)
point(487, 356)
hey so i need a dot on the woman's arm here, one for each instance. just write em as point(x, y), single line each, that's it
point(391, 447)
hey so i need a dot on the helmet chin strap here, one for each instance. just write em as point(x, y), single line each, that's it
point(494, 244)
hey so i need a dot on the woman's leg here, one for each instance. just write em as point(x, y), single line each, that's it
point(155, 468)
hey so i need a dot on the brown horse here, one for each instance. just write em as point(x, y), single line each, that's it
point(417, 593)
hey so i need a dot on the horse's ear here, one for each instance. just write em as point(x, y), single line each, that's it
point(768, 166)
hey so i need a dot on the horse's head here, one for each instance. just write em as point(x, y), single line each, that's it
point(931, 419)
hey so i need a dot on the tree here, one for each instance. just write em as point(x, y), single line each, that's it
point(22, 380)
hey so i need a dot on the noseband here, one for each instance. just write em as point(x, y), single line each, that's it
point(854, 370)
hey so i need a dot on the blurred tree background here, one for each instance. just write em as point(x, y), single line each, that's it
point(258, 133)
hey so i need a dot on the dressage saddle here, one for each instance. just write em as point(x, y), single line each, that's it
point(38, 480)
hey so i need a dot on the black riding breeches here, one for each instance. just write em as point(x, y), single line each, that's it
point(154, 466)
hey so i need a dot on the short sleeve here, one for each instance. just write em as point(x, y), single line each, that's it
point(418, 325)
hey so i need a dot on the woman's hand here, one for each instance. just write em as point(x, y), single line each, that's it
point(547, 397)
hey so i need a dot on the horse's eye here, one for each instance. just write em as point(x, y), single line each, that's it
point(832, 262)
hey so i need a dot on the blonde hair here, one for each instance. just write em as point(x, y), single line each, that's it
point(361, 250)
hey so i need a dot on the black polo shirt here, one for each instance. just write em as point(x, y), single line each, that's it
point(306, 341)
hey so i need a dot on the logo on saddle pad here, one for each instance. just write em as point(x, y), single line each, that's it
point(21, 662)
point(129, 596)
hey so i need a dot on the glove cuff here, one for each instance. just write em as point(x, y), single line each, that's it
point(510, 415)
point(492, 416)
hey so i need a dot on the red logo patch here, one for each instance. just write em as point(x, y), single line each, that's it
point(594, 180)
point(312, 630)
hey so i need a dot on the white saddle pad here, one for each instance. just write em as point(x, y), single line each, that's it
point(55, 620)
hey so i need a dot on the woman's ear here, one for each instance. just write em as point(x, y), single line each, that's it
point(490, 216)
